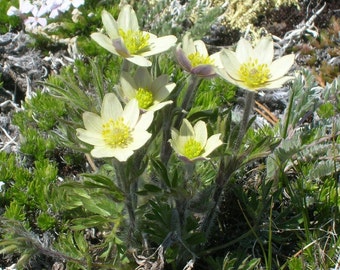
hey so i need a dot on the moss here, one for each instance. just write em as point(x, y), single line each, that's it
point(241, 13)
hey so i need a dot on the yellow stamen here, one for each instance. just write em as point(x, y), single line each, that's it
point(254, 74)
point(116, 133)
point(197, 59)
point(135, 41)
point(192, 148)
point(144, 98)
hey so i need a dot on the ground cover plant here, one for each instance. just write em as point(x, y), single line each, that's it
point(143, 147)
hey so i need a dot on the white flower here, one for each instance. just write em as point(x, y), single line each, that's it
point(149, 92)
point(253, 68)
point(37, 19)
point(194, 58)
point(25, 7)
point(126, 40)
point(192, 143)
point(117, 132)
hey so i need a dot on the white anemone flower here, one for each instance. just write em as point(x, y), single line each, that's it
point(253, 69)
point(125, 39)
point(149, 92)
point(192, 143)
point(117, 132)
point(194, 58)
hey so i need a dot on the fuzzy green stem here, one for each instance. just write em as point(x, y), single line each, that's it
point(182, 200)
point(248, 108)
point(228, 166)
point(188, 98)
point(125, 185)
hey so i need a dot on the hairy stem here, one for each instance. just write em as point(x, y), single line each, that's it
point(188, 98)
point(248, 109)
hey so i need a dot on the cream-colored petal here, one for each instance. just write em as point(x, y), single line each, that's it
point(231, 63)
point(174, 144)
point(127, 19)
point(90, 137)
point(159, 45)
point(139, 139)
point(163, 92)
point(143, 78)
point(104, 41)
point(186, 129)
point(131, 113)
point(139, 60)
point(122, 154)
point(212, 143)
point(144, 121)
point(111, 108)
point(128, 86)
point(92, 122)
point(188, 44)
point(281, 66)
point(216, 57)
point(279, 82)
point(201, 134)
point(110, 25)
point(224, 75)
point(244, 50)
point(264, 50)
point(204, 71)
point(183, 60)
point(159, 83)
point(120, 47)
point(201, 48)
point(158, 106)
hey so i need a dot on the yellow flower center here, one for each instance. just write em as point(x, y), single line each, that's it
point(254, 74)
point(192, 148)
point(116, 133)
point(197, 59)
point(135, 41)
point(144, 98)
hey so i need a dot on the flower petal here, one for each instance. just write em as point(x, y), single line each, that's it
point(279, 82)
point(244, 50)
point(93, 138)
point(201, 134)
point(111, 108)
point(131, 113)
point(163, 92)
point(139, 139)
point(127, 19)
point(128, 86)
point(231, 63)
point(104, 41)
point(216, 57)
point(120, 47)
point(264, 50)
point(212, 143)
point(281, 66)
point(110, 25)
point(139, 60)
point(143, 78)
point(188, 44)
point(144, 121)
point(160, 44)
point(92, 122)
point(183, 59)
point(201, 48)
point(158, 106)
point(186, 129)
point(204, 71)
point(122, 154)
